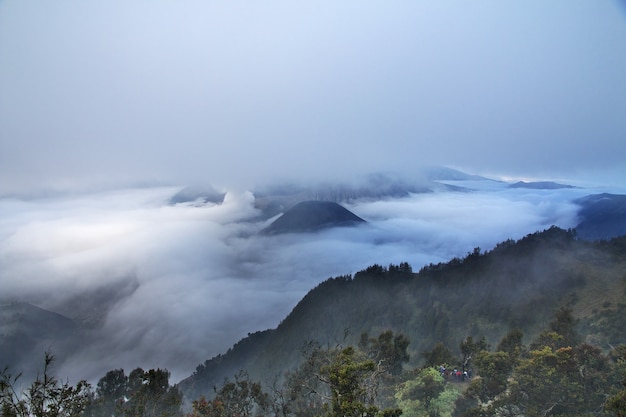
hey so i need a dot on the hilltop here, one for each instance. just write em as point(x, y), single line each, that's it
point(516, 285)
point(309, 216)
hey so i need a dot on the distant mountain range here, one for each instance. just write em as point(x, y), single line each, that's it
point(540, 185)
point(277, 198)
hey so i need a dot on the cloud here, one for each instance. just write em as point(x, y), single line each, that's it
point(190, 280)
point(104, 102)
point(113, 92)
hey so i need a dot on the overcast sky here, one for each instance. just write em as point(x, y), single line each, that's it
point(100, 97)
point(103, 93)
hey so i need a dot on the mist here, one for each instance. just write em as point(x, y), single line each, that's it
point(170, 286)
point(108, 108)
point(111, 93)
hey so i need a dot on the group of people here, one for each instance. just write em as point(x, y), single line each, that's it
point(455, 374)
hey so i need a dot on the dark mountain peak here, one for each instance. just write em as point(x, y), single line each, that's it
point(203, 194)
point(602, 216)
point(310, 216)
point(540, 185)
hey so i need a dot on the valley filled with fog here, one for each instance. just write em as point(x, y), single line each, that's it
point(149, 149)
point(170, 285)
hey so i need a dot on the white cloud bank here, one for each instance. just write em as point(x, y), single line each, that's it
point(194, 279)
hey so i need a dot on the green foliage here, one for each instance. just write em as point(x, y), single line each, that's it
point(140, 394)
point(241, 397)
point(111, 392)
point(565, 324)
point(547, 384)
point(517, 285)
point(468, 403)
point(512, 345)
point(388, 351)
point(616, 403)
point(348, 377)
point(45, 397)
point(494, 369)
point(427, 394)
point(606, 327)
point(340, 381)
point(439, 355)
point(551, 380)
point(469, 348)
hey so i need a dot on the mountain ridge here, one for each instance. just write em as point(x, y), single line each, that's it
point(518, 284)
point(602, 216)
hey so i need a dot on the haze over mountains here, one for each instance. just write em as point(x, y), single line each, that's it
point(517, 285)
point(127, 267)
point(146, 146)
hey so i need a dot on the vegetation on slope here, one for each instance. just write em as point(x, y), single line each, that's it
point(551, 304)
point(516, 285)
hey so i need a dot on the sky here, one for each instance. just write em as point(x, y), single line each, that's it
point(108, 108)
point(106, 93)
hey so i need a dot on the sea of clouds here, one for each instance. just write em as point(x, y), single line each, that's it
point(170, 286)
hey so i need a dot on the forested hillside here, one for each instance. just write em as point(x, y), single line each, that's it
point(516, 285)
point(533, 327)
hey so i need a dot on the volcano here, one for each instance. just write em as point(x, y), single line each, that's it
point(311, 216)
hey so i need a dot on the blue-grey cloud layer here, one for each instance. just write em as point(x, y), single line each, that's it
point(193, 280)
point(233, 92)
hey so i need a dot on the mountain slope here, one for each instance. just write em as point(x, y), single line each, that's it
point(516, 285)
point(603, 216)
point(26, 331)
point(309, 216)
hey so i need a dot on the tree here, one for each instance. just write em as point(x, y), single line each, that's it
point(111, 391)
point(616, 403)
point(512, 345)
point(150, 395)
point(562, 332)
point(335, 382)
point(439, 355)
point(469, 348)
point(45, 397)
point(306, 390)
point(346, 377)
point(557, 377)
point(242, 396)
point(389, 351)
point(571, 381)
point(495, 369)
point(140, 394)
point(424, 395)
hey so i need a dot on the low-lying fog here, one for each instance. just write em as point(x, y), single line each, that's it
point(172, 285)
